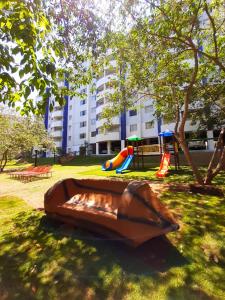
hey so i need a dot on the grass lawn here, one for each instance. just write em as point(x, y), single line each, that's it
point(41, 259)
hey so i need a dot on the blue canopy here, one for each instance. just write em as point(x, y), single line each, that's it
point(166, 133)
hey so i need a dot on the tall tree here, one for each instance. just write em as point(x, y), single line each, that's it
point(170, 52)
point(19, 134)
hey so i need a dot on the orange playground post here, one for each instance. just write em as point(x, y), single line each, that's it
point(164, 165)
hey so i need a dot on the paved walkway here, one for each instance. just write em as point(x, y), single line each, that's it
point(33, 192)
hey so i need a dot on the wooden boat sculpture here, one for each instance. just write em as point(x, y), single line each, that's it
point(118, 209)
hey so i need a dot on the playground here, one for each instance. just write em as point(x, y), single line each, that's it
point(37, 252)
point(135, 152)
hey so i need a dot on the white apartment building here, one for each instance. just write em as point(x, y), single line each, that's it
point(78, 122)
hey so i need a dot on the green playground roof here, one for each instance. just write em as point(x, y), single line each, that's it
point(134, 138)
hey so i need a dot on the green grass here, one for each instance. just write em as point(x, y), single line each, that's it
point(41, 259)
point(184, 175)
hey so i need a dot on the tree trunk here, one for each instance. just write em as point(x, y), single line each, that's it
point(181, 134)
point(220, 149)
point(3, 161)
point(189, 159)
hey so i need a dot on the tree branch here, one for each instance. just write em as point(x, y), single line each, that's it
point(189, 90)
point(213, 28)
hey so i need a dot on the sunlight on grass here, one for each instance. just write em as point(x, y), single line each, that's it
point(92, 166)
point(39, 257)
point(184, 175)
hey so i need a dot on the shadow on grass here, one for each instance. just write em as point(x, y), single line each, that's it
point(40, 257)
point(44, 259)
point(155, 255)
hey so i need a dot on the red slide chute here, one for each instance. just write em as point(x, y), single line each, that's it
point(164, 165)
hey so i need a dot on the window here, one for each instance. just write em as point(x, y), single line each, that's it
point(113, 128)
point(83, 124)
point(70, 117)
point(69, 138)
point(148, 108)
point(100, 102)
point(83, 91)
point(83, 113)
point(133, 127)
point(57, 128)
point(100, 88)
point(98, 116)
point(82, 135)
point(71, 107)
point(132, 112)
point(57, 118)
point(93, 109)
point(100, 130)
point(57, 139)
point(93, 133)
point(149, 124)
point(93, 121)
point(82, 102)
point(57, 108)
point(70, 127)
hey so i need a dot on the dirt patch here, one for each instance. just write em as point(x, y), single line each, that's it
point(159, 188)
point(206, 190)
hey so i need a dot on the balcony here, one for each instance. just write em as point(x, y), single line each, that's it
point(101, 122)
point(100, 102)
point(149, 132)
point(56, 133)
point(58, 143)
point(57, 123)
point(100, 95)
point(99, 109)
point(92, 139)
point(100, 81)
point(57, 113)
point(112, 136)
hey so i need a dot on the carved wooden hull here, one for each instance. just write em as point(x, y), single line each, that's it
point(118, 209)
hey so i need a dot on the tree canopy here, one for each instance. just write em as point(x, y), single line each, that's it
point(41, 41)
point(20, 134)
point(175, 57)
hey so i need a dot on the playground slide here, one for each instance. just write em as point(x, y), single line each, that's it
point(118, 160)
point(164, 165)
point(125, 165)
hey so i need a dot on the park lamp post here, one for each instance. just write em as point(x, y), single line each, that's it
point(36, 149)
